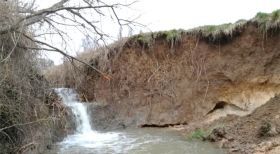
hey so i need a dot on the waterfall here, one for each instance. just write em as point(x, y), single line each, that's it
point(79, 109)
point(84, 136)
point(88, 141)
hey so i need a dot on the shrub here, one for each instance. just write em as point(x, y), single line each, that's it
point(23, 89)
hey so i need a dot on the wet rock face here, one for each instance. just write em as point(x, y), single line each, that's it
point(103, 117)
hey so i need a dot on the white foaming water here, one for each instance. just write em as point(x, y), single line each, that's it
point(85, 140)
point(69, 97)
point(84, 136)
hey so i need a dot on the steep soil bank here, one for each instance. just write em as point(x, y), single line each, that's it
point(177, 83)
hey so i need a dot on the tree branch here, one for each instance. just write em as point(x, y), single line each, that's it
point(55, 49)
point(28, 123)
point(41, 14)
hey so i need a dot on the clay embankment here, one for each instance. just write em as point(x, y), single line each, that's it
point(159, 85)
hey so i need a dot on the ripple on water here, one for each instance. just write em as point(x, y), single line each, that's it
point(133, 141)
point(129, 141)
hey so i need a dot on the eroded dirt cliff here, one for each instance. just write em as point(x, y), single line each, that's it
point(189, 79)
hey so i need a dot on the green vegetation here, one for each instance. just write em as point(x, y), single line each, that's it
point(198, 135)
point(268, 21)
point(212, 33)
point(217, 32)
point(209, 32)
point(172, 37)
point(146, 40)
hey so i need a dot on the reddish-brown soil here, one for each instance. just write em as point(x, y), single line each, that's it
point(161, 85)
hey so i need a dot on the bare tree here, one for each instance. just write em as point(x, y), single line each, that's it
point(25, 96)
point(83, 15)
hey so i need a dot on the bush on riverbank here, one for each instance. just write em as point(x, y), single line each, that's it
point(25, 107)
point(198, 134)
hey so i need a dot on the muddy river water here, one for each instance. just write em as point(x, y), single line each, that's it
point(127, 141)
point(133, 141)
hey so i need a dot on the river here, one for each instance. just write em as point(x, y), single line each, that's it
point(126, 141)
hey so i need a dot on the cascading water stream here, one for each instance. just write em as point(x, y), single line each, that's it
point(69, 97)
point(84, 135)
point(129, 141)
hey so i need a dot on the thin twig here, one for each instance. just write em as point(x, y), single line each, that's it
point(55, 49)
point(23, 124)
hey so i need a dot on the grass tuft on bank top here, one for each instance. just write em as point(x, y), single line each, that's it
point(146, 40)
point(268, 21)
point(217, 32)
point(212, 33)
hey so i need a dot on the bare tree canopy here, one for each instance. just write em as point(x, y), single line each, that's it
point(83, 15)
